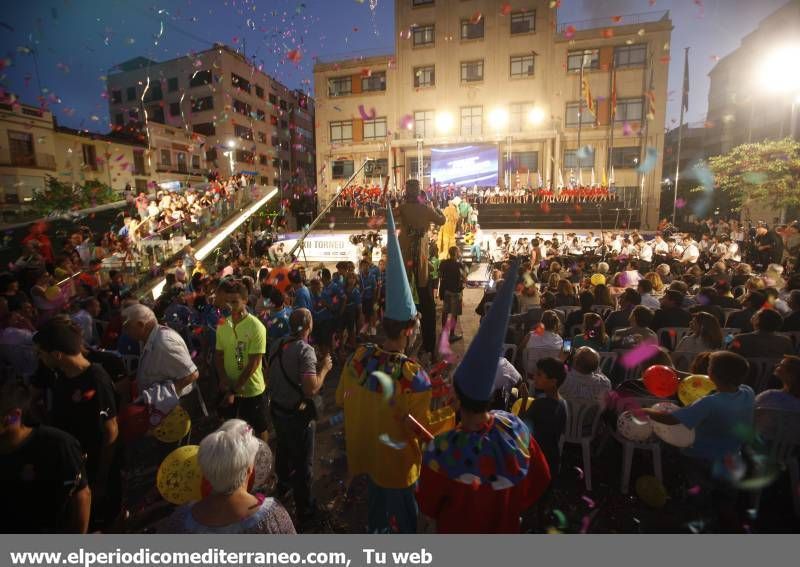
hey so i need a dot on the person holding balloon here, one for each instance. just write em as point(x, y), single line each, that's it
point(718, 421)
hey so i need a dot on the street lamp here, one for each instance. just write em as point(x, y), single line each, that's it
point(498, 118)
point(444, 122)
point(778, 75)
point(536, 116)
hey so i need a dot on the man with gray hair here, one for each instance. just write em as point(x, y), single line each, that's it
point(164, 355)
point(585, 381)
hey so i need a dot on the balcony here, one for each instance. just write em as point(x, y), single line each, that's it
point(34, 161)
point(624, 20)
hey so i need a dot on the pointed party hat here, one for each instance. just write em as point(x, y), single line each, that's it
point(399, 301)
point(474, 377)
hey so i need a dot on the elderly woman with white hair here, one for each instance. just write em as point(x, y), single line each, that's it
point(227, 460)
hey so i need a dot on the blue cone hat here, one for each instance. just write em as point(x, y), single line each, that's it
point(399, 301)
point(474, 377)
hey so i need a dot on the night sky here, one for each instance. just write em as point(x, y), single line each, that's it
point(77, 41)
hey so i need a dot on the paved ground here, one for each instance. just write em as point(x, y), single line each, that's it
point(568, 507)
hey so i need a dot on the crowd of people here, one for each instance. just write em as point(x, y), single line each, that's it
point(245, 343)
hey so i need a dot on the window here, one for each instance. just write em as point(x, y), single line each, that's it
point(153, 93)
point(412, 167)
point(471, 120)
point(273, 119)
point(116, 96)
point(130, 93)
point(625, 158)
point(205, 128)
point(422, 2)
point(166, 157)
point(629, 110)
point(375, 82)
point(156, 114)
point(375, 129)
point(195, 162)
point(285, 164)
point(523, 22)
point(275, 142)
point(589, 57)
point(377, 167)
point(521, 66)
point(262, 138)
point(470, 30)
point(573, 108)
point(630, 55)
point(119, 119)
point(244, 156)
point(264, 180)
point(423, 124)
point(524, 161)
point(261, 115)
point(276, 163)
point(211, 155)
point(242, 132)
point(273, 99)
point(89, 156)
point(518, 116)
point(342, 169)
point(424, 35)
point(240, 82)
point(201, 104)
point(585, 155)
point(138, 163)
point(200, 78)
point(472, 71)
point(284, 125)
point(133, 114)
point(262, 159)
point(182, 162)
point(425, 76)
point(341, 131)
point(282, 104)
point(340, 86)
point(174, 109)
point(172, 84)
point(241, 107)
point(21, 148)
point(259, 91)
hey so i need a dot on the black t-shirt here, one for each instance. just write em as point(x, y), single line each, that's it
point(775, 242)
point(547, 419)
point(81, 406)
point(38, 479)
point(451, 276)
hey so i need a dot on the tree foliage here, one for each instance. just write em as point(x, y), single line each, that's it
point(767, 171)
point(60, 197)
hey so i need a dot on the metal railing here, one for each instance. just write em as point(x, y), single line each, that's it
point(624, 20)
point(37, 161)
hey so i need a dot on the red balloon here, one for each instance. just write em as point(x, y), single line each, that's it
point(661, 381)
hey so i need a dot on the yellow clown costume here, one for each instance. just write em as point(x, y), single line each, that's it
point(378, 390)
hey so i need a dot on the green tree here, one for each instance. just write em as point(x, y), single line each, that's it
point(767, 171)
point(60, 197)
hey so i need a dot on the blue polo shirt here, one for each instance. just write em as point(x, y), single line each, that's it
point(302, 298)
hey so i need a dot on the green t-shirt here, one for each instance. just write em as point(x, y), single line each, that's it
point(237, 343)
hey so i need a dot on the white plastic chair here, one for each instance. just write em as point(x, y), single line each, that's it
point(761, 370)
point(683, 359)
point(532, 355)
point(607, 362)
point(781, 431)
point(628, 447)
point(671, 336)
point(583, 419)
point(570, 309)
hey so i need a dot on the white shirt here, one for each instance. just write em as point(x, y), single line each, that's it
point(506, 376)
point(646, 253)
point(732, 253)
point(650, 302)
point(661, 247)
point(164, 357)
point(690, 254)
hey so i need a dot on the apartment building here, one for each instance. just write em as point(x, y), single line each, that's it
point(474, 73)
point(247, 117)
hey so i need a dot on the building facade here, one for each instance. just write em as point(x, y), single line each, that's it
point(743, 106)
point(247, 117)
point(471, 74)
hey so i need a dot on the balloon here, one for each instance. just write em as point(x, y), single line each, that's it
point(661, 381)
point(179, 478)
point(174, 427)
point(677, 435)
point(52, 293)
point(694, 387)
point(515, 409)
point(134, 422)
point(651, 491)
point(598, 279)
point(633, 428)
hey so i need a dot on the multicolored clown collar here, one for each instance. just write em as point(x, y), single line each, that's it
point(497, 456)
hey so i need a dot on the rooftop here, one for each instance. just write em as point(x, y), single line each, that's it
point(615, 21)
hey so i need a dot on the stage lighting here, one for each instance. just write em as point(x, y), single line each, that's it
point(444, 122)
point(498, 118)
point(536, 116)
point(775, 70)
point(231, 144)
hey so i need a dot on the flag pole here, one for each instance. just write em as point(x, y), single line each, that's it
point(580, 112)
point(612, 112)
point(680, 135)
